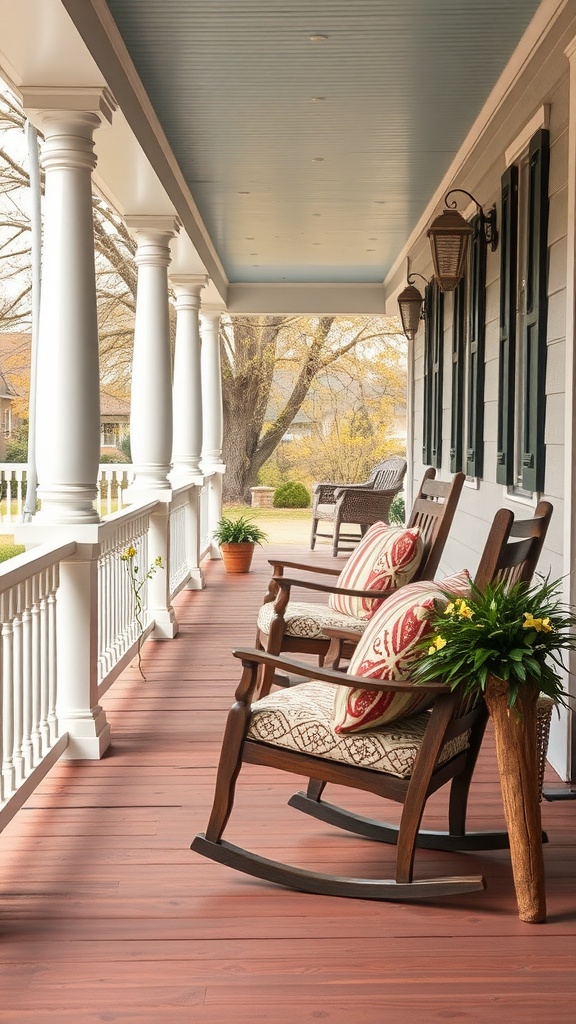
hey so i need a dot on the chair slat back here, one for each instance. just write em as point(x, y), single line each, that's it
point(432, 512)
point(388, 474)
point(513, 546)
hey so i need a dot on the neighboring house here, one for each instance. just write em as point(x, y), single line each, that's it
point(15, 359)
point(492, 368)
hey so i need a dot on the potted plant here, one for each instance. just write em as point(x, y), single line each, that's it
point(237, 539)
point(505, 644)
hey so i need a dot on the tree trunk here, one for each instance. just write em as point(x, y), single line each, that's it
point(515, 733)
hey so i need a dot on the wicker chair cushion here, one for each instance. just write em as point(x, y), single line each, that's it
point(299, 719)
point(386, 650)
point(386, 558)
point(305, 619)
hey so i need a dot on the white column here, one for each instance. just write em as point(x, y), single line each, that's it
point(68, 403)
point(212, 419)
point(151, 403)
point(212, 414)
point(187, 387)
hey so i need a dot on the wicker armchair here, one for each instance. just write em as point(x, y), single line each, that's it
point(362, 504)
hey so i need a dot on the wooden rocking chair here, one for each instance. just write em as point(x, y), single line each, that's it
point(284, 625)
point(451, 735)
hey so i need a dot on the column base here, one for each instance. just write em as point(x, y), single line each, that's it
point(88, 738)
point(196, 581)
point(165, 625)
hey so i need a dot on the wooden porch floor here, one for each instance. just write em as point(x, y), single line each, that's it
point(106, 914)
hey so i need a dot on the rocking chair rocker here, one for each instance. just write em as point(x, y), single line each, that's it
point(446, 741)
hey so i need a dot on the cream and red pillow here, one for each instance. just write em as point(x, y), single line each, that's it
point(387, 651)
point(386, 558)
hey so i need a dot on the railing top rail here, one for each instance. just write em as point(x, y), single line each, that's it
point(109, 525)
point(19, 568)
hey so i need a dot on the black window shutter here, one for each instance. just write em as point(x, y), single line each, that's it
point(457, 398)
point(437, 372)
point(476, 334)
point(535, 322)
point(505, 469)
point(427, 404)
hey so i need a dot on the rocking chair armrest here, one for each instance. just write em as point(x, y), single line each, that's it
point(250, 655)
point(285, 583)
point(277, 563)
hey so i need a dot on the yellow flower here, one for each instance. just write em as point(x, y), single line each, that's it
point(437, 644)
point(128, 554)
point(450, 608)
point(540, 625)
point(464, 611)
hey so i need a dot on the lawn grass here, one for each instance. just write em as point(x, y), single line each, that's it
point(8, 549)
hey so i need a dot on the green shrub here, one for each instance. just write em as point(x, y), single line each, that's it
point(291, 495)
point(397, 513)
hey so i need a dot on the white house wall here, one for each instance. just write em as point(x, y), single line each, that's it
point(543, 87)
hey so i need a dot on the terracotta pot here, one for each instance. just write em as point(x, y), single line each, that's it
point(237, 557)
point(515, 732)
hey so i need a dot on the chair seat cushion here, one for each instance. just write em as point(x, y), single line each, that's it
point(299, 719)
point(386, 558)
point(325, 512)
point(305, 619)
point(387, 650)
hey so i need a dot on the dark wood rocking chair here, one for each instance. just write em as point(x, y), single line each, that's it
point(511, 553)
point(432, 512)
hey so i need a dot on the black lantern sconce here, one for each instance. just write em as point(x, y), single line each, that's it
point(450, 236)
point(411, 306)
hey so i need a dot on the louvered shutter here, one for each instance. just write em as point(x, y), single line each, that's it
point(457, 398)
point(427, 403)
point(437, 375)
point(476, 334)
point(535, 322)
point(505, 468)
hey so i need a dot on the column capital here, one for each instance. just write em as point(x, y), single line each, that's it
point(187, 288)
point(152, 226)
point(210, 315)
point(42, 103)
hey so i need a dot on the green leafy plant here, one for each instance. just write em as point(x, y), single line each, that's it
point(513, 633)
point(397, 513)
point(137, 582)
point(241, 530)
point(291, 495)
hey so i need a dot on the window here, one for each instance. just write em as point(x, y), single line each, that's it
point(523, 318)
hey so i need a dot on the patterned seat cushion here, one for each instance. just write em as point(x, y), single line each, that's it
point(386, 558)
point(305, 619)
point(387, 650)
point(299, 719)
point(325, 512)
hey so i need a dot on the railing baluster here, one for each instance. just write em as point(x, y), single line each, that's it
point(8, 770)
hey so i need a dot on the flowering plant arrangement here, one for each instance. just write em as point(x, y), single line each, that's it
point(137, 582)
point(515, 634)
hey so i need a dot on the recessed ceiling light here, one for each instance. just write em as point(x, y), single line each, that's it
point(372, 239)
point(370, 250)
point(318, 37)
point(380, 202)
point(317, 159)
point(253, 253)
point(244, 193)
point(249, 238)
point(316, 214)
point(315, 243)
point(318, 99)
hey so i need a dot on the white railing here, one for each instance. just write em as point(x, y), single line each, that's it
point(48, 697)
point(29, 738)
point(180, 542)
point(119, 631)
point(113, 479)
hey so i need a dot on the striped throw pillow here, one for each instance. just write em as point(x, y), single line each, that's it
point(387, 651)
point(386, 558)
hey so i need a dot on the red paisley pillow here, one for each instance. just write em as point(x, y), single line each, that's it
point(386, 558)
point(387, 651)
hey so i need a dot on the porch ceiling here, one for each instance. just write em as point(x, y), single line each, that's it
point(311, 161)
point(298, 168)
